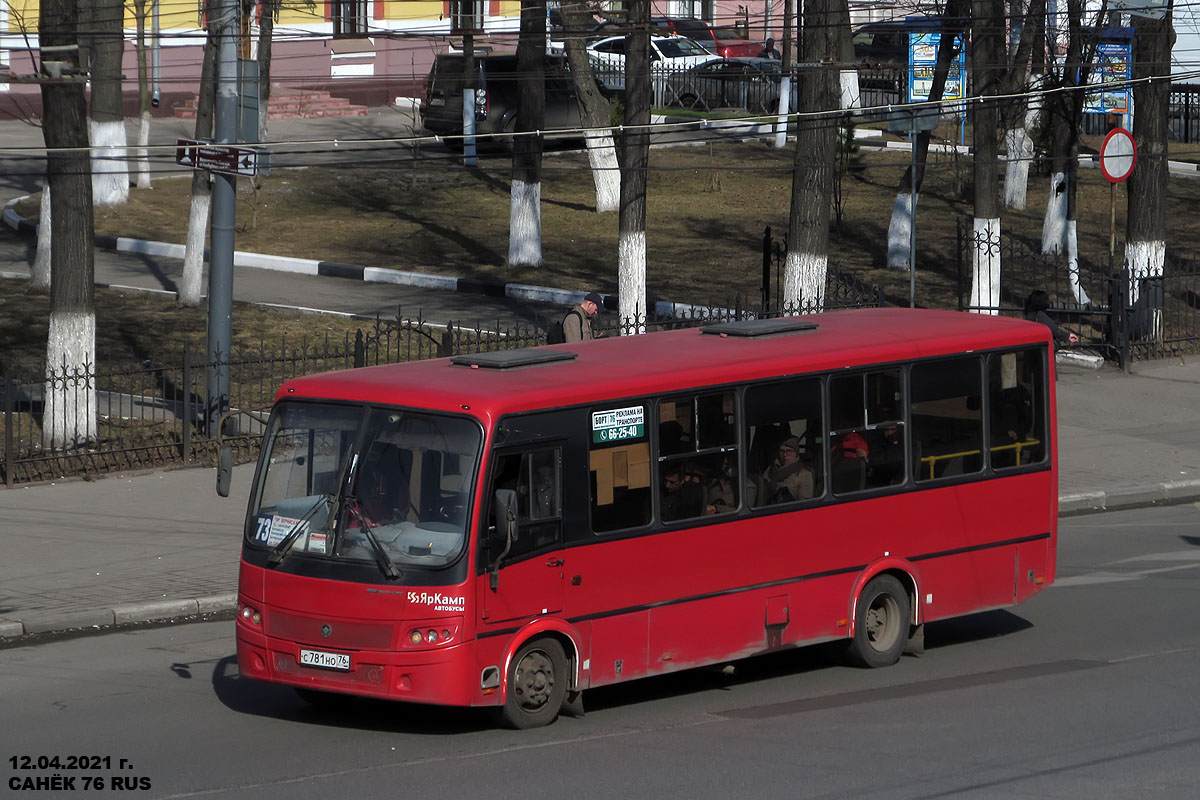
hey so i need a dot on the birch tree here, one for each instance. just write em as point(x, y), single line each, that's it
point(1021, 114)
point(525, 208)
point(192, 282)
point(69, 404)
point(143, 139)
point(594, 108)
point(268, 9)
point(954, 19)
point(106, 126)
point(635, 160)
point(813, 166)
point(987, 25)
point(1059, 230)
point(1145, 237)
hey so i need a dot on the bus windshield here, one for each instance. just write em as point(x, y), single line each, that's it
point(343, 482)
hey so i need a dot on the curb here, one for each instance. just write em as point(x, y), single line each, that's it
point(1168, 493)
point(124, 614)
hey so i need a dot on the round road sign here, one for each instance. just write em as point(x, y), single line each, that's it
point(1118, 154)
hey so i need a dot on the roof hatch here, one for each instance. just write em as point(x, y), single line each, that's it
point(749, 328)
point(513, 359)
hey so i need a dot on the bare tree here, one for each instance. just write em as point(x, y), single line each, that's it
point(143, 140)
point(268, 9)
point(812, 173)
point(987, 48)
point(525, 209)
point(193, 254)
point(635, 160)
point(595, 110)
point(1021, 114)
point(1145, 237)
point(954, 21)
point(69, 410)
point(1059, 230)
point(106, 129)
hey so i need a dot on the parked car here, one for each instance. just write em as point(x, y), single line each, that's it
point(667, 54)
point(749, 83)
point(495, 98)
point(721, 40)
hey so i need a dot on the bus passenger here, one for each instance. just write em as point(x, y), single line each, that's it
point(788, 479)
point(681, 498)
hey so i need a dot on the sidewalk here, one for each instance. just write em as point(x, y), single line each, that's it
point(163, 545)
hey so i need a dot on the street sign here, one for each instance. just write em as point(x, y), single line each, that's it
point(225, 158)
point(1118, 155)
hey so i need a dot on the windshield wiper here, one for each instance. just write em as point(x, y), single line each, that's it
point(281, 550)
point(385, 562)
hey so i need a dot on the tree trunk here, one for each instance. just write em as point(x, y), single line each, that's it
point(1059, 230)
point(635, 159)
point(525, 216)
point(851, 96)
point(110, 172)
point(594, 108)
point(69, 409)
point(1145, 232)
point(900, 227)
point(812, 175)
point(143, 141)
point(987, 48)
point(1022, 114)
point(266, 32)
point(787, 67)
point(41, 258)
point(192, 283)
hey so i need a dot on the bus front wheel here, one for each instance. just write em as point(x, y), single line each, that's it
point(537, 685)
point(881, 623)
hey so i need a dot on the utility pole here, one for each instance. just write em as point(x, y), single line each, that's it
point(224, 218)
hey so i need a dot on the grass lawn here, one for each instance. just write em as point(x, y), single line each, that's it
point(707, 209)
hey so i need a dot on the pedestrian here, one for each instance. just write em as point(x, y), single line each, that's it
point(577, 324)
point(769, 50)
point(1036, 306)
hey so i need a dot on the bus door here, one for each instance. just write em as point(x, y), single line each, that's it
point(524, 576)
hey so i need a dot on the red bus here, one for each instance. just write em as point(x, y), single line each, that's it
point(512, 528)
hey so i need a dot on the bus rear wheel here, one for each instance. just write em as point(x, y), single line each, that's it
point(537, 685)
point(881, 623)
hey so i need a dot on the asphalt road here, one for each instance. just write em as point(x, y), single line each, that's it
point(1086, 691)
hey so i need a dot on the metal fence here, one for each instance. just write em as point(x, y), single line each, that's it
point(1119, 316)
point(149, 415)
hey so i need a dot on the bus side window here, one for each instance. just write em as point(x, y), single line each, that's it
point(697, 456)
point(1017, 408)
point(868, 431)
point(786, 458)
point(947, 420)
point(619, 468)
point(536, 477)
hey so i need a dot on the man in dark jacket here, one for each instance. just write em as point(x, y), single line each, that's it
point(1036, 306)
point(577, 324)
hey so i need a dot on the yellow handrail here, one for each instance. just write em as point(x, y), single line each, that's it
point(1017, 446)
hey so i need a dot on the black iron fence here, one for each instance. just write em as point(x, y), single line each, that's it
point(93, 419)
point(1116, 314)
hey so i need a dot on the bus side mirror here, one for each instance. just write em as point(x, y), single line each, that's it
point(224, 470)
point(504, 509)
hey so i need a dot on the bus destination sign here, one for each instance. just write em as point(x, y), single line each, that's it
point(618, 424)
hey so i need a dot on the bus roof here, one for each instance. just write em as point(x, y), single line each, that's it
point(628, 366)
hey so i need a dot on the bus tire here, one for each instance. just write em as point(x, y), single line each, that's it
point(881, 623)
point(537, 685)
